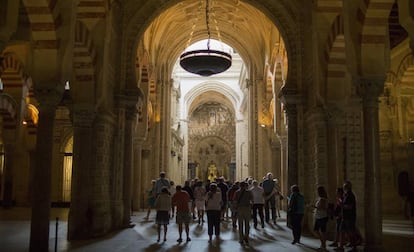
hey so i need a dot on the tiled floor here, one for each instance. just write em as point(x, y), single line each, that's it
point(15, 233)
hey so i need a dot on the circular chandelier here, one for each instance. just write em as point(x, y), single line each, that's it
point(205, 62)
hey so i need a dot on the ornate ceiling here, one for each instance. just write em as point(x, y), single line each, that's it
point(235, 23)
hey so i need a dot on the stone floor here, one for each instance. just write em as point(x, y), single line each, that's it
point(15, 233)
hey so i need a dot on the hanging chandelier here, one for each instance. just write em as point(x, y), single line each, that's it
point(205, 62)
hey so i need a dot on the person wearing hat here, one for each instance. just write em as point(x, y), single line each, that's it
point(213, 210)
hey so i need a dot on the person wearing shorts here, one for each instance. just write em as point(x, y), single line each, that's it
point(181, 200)
point(321, 216)
point(163, 206)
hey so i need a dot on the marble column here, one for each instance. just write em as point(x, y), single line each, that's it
point(370, 89)
point(131, 115)
point(79, 220)
point(42, 174)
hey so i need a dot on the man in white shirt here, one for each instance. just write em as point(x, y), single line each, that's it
point(258, 203)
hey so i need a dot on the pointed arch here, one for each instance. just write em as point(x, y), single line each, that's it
point(217, 87)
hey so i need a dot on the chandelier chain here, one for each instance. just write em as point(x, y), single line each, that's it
point(208, 24)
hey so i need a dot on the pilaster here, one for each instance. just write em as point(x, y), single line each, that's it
point(370, 89)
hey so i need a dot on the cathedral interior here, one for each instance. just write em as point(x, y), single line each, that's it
point(94, 104)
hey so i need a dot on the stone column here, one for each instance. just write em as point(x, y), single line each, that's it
point(284, 164)
point(290, 99)
point(370, 89)
point(79, 220)
point(335, 157)
point(42, 174)
point(147, 174)
point(276, 157)
point(292, 137)
point(137, 203)
point(131, 116)
point(7, 189)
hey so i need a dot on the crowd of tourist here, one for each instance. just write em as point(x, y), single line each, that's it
point(250, 199)
point(214, 201)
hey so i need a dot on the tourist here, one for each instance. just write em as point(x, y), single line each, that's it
point(163, 207)
point(296, 211)
point(181, 201)
point(213, 210)
point(243, 199)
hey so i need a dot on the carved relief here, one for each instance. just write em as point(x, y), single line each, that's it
point(212, 137)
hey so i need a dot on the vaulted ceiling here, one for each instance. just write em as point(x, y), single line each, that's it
point(235, 23)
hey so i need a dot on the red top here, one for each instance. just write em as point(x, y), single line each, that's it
point(181, 199)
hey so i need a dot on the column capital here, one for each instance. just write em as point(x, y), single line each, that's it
point(289, 96)
point(370, 87)
point(48, 97)
point(130, 97)
point(83, 116)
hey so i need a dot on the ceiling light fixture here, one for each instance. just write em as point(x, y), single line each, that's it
point(205, 62)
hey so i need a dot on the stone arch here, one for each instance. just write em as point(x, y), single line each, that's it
point(8, 112)
point(405, 84)
point(13, 76)
point(406, 65)
point(218, 87)
point(374, 36)
point(205, 146)
point(9, 61)
point(84, 58)
point(281, 13)
point(31, 118)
